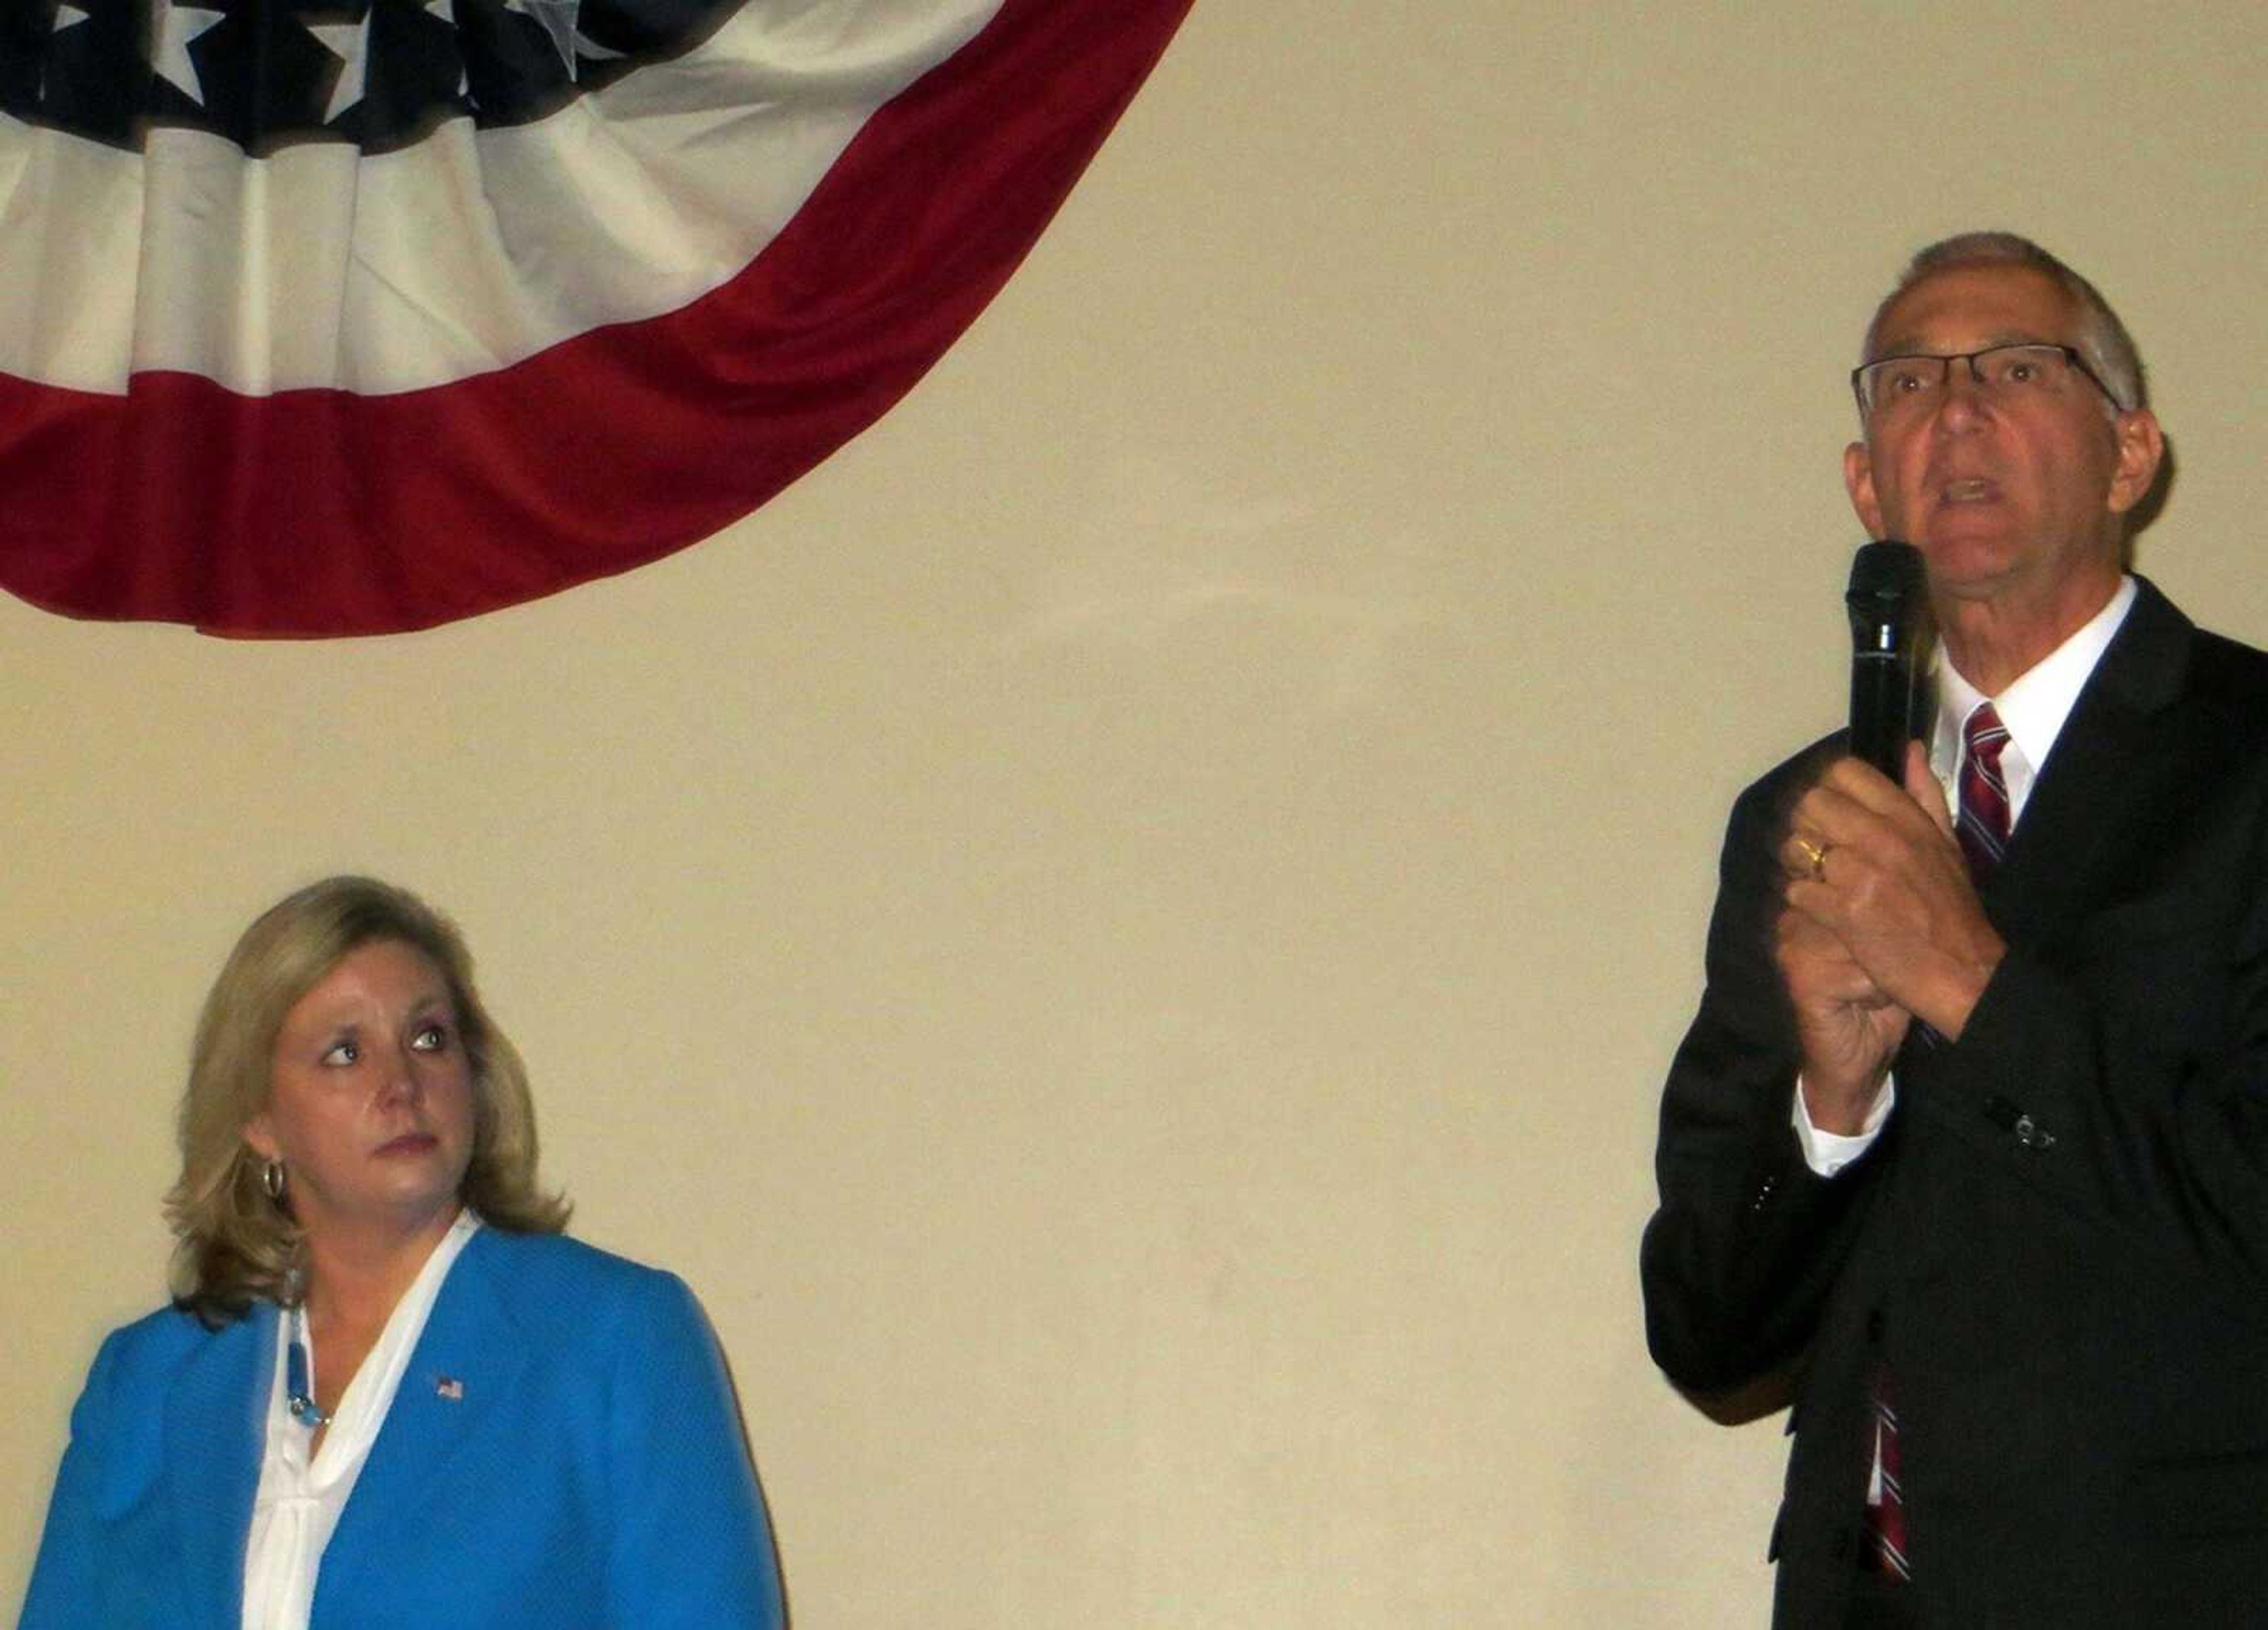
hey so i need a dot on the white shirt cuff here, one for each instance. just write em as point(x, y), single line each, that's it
point(1828, 1153)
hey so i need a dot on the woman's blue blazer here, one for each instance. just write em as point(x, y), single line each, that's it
point(564, 1452)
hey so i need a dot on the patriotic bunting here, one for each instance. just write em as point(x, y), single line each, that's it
point(326, 317)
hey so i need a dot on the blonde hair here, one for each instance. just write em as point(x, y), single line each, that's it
point(234, 1243)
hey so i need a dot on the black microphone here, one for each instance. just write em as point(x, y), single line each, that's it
point(1884, 599)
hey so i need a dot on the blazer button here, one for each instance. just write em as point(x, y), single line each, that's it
point(2032, 1135)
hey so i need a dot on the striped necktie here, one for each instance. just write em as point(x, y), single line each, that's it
point(1885, 1500)
point(1983, 826)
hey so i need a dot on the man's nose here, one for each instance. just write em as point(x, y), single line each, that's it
point(1965, 394)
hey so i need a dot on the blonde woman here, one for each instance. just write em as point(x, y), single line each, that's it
point(389, 1391)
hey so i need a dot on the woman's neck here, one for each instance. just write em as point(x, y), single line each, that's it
point(356, 1277)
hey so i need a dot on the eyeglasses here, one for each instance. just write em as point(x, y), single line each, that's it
point(1914, 384)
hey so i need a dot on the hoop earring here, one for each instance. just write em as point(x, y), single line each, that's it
point(271, 1181)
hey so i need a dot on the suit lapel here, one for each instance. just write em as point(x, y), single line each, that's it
point(215, 1426)
point(461, 1371)
point(2112, 765)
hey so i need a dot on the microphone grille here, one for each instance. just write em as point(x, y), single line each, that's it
point(1886, 573)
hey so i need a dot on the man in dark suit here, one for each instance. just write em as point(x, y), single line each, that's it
point(1967, 1148)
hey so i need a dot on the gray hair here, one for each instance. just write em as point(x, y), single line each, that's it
point(2103, 338)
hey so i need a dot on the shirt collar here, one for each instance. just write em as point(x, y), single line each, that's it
point(2035, 704)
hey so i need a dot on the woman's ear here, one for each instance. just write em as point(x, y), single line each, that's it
point(259, 1138)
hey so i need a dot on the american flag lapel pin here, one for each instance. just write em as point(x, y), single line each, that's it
point(450, 1388)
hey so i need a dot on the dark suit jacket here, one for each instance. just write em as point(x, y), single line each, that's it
point(2060, 1240)
point(564, 1452)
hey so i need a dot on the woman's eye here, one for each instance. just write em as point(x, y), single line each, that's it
point(342, 1053)
point(430, 1038)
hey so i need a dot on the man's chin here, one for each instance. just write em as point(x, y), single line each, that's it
point(1964, 567)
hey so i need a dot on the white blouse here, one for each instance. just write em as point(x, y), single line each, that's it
point(299, 1499)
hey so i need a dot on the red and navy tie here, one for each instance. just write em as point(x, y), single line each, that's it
point(1886, 1513)
point(1982, 823)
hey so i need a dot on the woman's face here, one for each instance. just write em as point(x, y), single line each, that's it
point(370, 1103)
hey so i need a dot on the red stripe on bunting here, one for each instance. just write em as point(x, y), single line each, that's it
point(317, 513)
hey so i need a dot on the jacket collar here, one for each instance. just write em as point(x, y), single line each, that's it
point(464, 1364)
point(2108, 769)
point(215, 1413)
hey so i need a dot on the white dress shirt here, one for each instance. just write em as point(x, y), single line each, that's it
point(2033, 708)
point(300, 1497)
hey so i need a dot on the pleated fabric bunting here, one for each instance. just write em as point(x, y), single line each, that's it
point(330, 317)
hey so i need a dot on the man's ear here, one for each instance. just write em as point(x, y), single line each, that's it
point(2141, 449)
point(1858, 481)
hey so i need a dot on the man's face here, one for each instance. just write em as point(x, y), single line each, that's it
point(2012, 497)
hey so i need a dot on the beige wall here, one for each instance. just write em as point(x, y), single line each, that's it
point(1124, 932)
